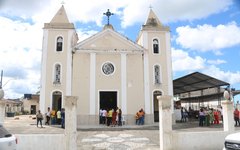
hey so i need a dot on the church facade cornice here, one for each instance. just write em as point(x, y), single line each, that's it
point(58, 26)
point(114, 51)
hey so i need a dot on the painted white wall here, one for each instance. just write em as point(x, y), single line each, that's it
point(40, 141)
point(205, 140)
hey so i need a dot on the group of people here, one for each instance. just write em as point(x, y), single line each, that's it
point(209, 116)
point(140, 117)
point(53, 117)
point(110, 117)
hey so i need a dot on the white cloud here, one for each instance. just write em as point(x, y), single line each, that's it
point(20, 56)
point(227, 76)
point(175, 10)
point(82, 34)
point(209, 38)
point(181, 61)
point(130, 12)
point(216, 62)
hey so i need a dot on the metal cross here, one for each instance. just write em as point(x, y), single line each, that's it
point(108, 14)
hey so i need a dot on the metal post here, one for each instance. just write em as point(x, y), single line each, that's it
point(1, 79)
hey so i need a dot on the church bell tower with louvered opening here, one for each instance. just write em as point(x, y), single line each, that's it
point(157, 60)
point(59, 37)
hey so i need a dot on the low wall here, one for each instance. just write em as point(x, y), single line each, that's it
point(205, 140)
point(40, 141)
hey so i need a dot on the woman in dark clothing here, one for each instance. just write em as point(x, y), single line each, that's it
point(120, 117)
point(201, 117)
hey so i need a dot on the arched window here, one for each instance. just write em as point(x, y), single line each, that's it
point(155, 46)
point(59, 44)
point(157, 74)
point(57, 78)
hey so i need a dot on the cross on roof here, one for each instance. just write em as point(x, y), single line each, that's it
point(108, 14)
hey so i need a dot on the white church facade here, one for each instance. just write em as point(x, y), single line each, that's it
point(106, 70)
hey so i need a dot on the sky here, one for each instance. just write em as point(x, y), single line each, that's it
point(205, 35)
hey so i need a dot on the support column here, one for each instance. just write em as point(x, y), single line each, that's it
point(165, 122)
point(71, 122)
point(228, 121)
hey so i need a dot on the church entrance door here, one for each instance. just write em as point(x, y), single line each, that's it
point(155, 105)
point(108, 99)
point(57, 101)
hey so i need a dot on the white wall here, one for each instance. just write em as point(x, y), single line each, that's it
point(205, 140)
point(40, 141)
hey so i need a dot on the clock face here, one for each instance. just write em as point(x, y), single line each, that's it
point(108, 68)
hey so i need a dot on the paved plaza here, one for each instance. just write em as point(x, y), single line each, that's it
point(101, 137)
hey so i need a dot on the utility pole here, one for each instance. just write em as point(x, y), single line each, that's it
point(1, 90)
point(1, 79)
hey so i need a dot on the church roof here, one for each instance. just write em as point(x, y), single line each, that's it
point(60, 20)
point(109, 40)
point(153, 22)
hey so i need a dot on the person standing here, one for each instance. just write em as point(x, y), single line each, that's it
point(48, 115)
point(114, 116)
point(100, 116)
point(216, 116)
point(183, 115)
point(119, 117)
point(109, 117)
point(236, 117)
point(63, 118)
point(137, 117)
point(53, 117)
point(39, 117)
point(201, 117)
point(59, 117)
point(104, 114)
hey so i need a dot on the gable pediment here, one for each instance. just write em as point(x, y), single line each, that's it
point(108, 40)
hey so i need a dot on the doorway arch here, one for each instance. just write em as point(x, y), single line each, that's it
point(155, 105)
point(56, 100)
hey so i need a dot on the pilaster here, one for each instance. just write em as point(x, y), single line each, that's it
point(165, 122)
point(228, 122)
point(71, 122)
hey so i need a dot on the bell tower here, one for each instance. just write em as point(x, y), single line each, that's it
point(59, 38)
point(155, 38)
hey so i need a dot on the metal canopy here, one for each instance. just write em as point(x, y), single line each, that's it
point(194, 82)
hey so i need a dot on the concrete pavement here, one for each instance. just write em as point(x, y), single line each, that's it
point(101, 137)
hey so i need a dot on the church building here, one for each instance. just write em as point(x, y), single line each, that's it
point(106, 70)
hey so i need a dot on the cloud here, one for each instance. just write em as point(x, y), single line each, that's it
point(20, 56)
point(209, 38)
point(84, 34)
point(227, 76)
point(172, 10)
point(181, 61)
point(23, 9)
point(130, 12)
point(216, 62)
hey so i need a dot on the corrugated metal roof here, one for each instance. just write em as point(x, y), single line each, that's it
point(194, 82)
